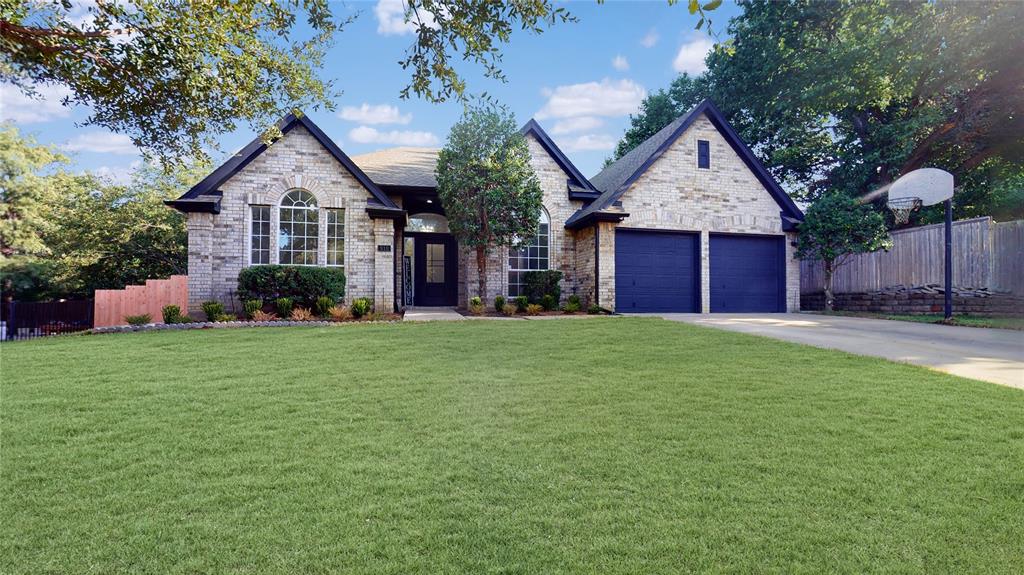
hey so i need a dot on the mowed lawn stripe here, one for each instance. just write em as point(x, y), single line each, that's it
point(605, 445)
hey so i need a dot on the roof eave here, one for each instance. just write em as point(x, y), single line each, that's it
point(563, 161)
point(589, 219)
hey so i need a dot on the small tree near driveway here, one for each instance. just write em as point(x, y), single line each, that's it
point(837, 227)
point(488, 189)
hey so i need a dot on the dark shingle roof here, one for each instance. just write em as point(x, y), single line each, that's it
point(614, 180)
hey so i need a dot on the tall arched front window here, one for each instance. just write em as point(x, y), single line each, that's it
point(299, 231)
point(530, 255)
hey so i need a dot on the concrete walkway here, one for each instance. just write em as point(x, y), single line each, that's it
point(432, 314)
point(994, 355)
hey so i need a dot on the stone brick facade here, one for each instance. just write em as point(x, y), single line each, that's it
point(219, 244)
point(673, 194)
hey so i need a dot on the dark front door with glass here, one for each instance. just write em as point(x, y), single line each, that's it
point(435, 270)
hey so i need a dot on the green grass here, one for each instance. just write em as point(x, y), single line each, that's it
point(967, 320)
point(606, 445)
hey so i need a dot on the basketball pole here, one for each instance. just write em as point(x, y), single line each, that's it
point(949, 260)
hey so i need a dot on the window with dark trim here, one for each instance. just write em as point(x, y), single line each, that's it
point(703, 154)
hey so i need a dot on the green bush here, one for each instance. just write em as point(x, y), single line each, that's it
point(323, 306)
point(499, 303)
point(575, 299)
point(476, 305)
point(252, 306)
point(225, 317)
point(595, 310)
point(521, 302)
point(548, 302)
point(537, 284)
point(171, 314)
point(302, 284)
point(284, 306)
point(141, 319)
point(212, 309)
point(571, 307)
point(361, 307)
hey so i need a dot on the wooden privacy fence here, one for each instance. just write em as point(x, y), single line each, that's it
point(986, 254)
point(112, 305)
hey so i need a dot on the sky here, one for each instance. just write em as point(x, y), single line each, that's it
point(580, 81)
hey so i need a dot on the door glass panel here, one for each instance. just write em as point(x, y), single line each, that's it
point(435, 263)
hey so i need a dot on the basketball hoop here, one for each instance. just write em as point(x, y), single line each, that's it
point(903, 207)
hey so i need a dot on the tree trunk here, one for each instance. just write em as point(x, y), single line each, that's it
point(828, 264)
point(481, 268)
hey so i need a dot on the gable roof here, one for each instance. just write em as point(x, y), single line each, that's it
point(402, 166)
point(199, 198)
point(577, 183)
point(615, 179)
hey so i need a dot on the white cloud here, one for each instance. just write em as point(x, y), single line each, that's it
point(368, 135)
point(17, 107)
point(604, 98)
point(691, 55)
point(120, 175)
point(650, 39)
point(589, 142)
point(391, 18)
point(101, 143)
point(374, 114)
point(620, 63)
point(575, 125)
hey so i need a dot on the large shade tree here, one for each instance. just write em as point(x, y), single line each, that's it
point(488, 189)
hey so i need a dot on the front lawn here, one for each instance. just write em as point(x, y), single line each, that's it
point(967, 320)
point(605, 445)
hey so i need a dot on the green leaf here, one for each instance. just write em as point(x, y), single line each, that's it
point(694, 6)
point(713, 4)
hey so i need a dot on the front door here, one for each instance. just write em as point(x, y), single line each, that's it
point(435, 270)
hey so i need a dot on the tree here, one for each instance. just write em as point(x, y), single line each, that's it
point(836, 227)
point(23, 184)
point(171, 73)
point(489, 191)
point(660, 108)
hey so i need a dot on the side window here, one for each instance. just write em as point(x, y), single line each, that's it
point(260, 235)
point(703, 154)
point(336, 237)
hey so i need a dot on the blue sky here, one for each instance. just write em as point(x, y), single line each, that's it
point(581, 81)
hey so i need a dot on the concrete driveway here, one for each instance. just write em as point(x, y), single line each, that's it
point(995, 355)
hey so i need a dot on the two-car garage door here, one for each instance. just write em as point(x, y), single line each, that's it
point(660, 272)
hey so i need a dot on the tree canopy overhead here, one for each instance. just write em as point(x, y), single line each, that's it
point(849, 95)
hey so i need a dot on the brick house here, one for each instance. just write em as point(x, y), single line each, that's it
point(688, 221)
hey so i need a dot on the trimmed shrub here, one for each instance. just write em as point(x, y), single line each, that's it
point(260, 315)
point(499, 303)
point(284, 306)
point(141, 319)
point(361, 307)
point(302, 284)
point(548, 302)
point(571, 307)
point(595, 310)
point(212, 309)
point(339, 313)
point(301, 314)
point(521, 302)
point(171, 314)
point(324, 305)
point(509, 309)
point(252, 306)
point(537, 284)
point(226, 317)
point(476, 305)
point(534, 309)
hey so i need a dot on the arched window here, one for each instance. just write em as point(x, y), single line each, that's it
point(531, 255)
point(427, 222)
point(299, 231)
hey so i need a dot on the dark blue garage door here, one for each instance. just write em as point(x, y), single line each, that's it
point(747, 273)
point(655, 272)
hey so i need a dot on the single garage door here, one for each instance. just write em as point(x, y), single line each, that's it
point(747, 273)
point(656, 271)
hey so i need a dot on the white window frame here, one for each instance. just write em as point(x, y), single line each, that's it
point(252, 233)
point(340, 214)
point(513, 252)
point(310, 208)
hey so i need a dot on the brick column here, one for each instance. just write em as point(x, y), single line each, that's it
point(384, 265)
point(606, 271)
point(200, 259)
point(705, 271)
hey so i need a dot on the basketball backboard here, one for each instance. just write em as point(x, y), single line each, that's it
point(930, 185)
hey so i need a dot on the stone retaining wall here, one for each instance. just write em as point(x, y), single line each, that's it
point(917, 303)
